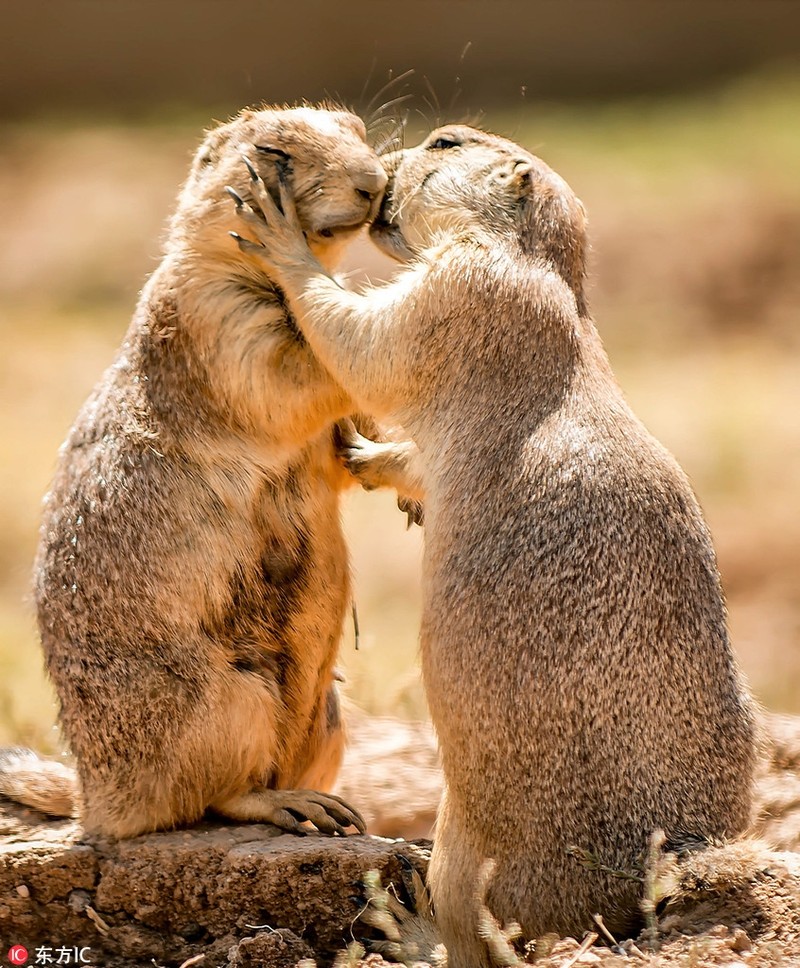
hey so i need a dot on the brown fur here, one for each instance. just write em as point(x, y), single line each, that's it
point(192, 577)
point(574, 645)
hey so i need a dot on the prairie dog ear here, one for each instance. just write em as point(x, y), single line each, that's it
point(515, 172)
point(208, 152)
point(216, 138)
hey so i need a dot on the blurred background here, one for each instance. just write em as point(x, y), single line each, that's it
point(677, 123)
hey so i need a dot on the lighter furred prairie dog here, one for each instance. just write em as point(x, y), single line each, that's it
point(192, 577)
point(574, 647)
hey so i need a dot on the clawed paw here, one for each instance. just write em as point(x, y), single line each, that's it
point(363, 458)
point(276, 227)
point(377, 464)
point(413, 510)
point(329, 813)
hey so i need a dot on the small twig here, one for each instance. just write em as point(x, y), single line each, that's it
point(587, 943)
point(615, 946)
point(358, 916)
point(592, 862)
point(651, 886)
point(356, 628)
point(498, 938)
point(95, 918)
point(194, 960)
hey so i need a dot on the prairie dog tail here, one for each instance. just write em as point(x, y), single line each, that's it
point(46, 785)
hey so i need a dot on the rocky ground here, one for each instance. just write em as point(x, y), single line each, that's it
point(233, 896)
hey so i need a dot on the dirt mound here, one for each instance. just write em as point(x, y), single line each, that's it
point(778, 789)
point(171, 896)
point(250, 895)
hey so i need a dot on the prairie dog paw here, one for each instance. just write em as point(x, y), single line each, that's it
point(369, 462)
point(413, 510)
point(290, 809)
point(376, 464)
point(329, 814)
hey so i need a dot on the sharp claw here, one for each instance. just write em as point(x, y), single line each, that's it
point(405, 862)
point(249, 166)
point(242, 243)
point(235, 196)
point(283, 818)
point(245, 244)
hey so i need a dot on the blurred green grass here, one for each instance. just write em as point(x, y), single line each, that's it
point(694, 207)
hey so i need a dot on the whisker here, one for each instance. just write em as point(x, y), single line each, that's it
point(374, 128)
point(370, 72)
point(385, 89)
point(391, 137)
point(425, 117)
point(457, 90)
point(400, 99)
point(434, 105)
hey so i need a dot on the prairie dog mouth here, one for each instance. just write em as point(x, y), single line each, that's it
point(348, 220)
point(382, 226)
point(385, 231)
point(388, 237)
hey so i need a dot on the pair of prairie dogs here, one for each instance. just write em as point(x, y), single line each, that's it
point(574, 648)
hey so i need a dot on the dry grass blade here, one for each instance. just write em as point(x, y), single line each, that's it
point(498, 939)
point(587, 943)
point(95, 918)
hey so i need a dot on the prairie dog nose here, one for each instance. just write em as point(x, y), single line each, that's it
point(368, 181)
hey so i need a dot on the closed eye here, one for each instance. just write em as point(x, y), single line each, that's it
point(441, 143)
point(278, 153)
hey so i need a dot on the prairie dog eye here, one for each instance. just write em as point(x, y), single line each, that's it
point(277, 153)
point(441, 143)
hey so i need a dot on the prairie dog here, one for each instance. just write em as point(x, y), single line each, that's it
point(574, 646)
point(192, 577)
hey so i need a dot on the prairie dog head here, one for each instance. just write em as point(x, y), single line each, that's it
point(460, 179)
point(337, 179)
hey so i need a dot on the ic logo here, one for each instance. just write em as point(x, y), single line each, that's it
point(18, 955)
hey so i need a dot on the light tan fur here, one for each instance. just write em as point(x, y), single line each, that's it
point(574, 644)
point(192, 577)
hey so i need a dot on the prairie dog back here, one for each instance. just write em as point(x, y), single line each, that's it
point(574, 647)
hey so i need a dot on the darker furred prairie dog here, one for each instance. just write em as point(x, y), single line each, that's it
point(192, 577)
point(574, 646)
